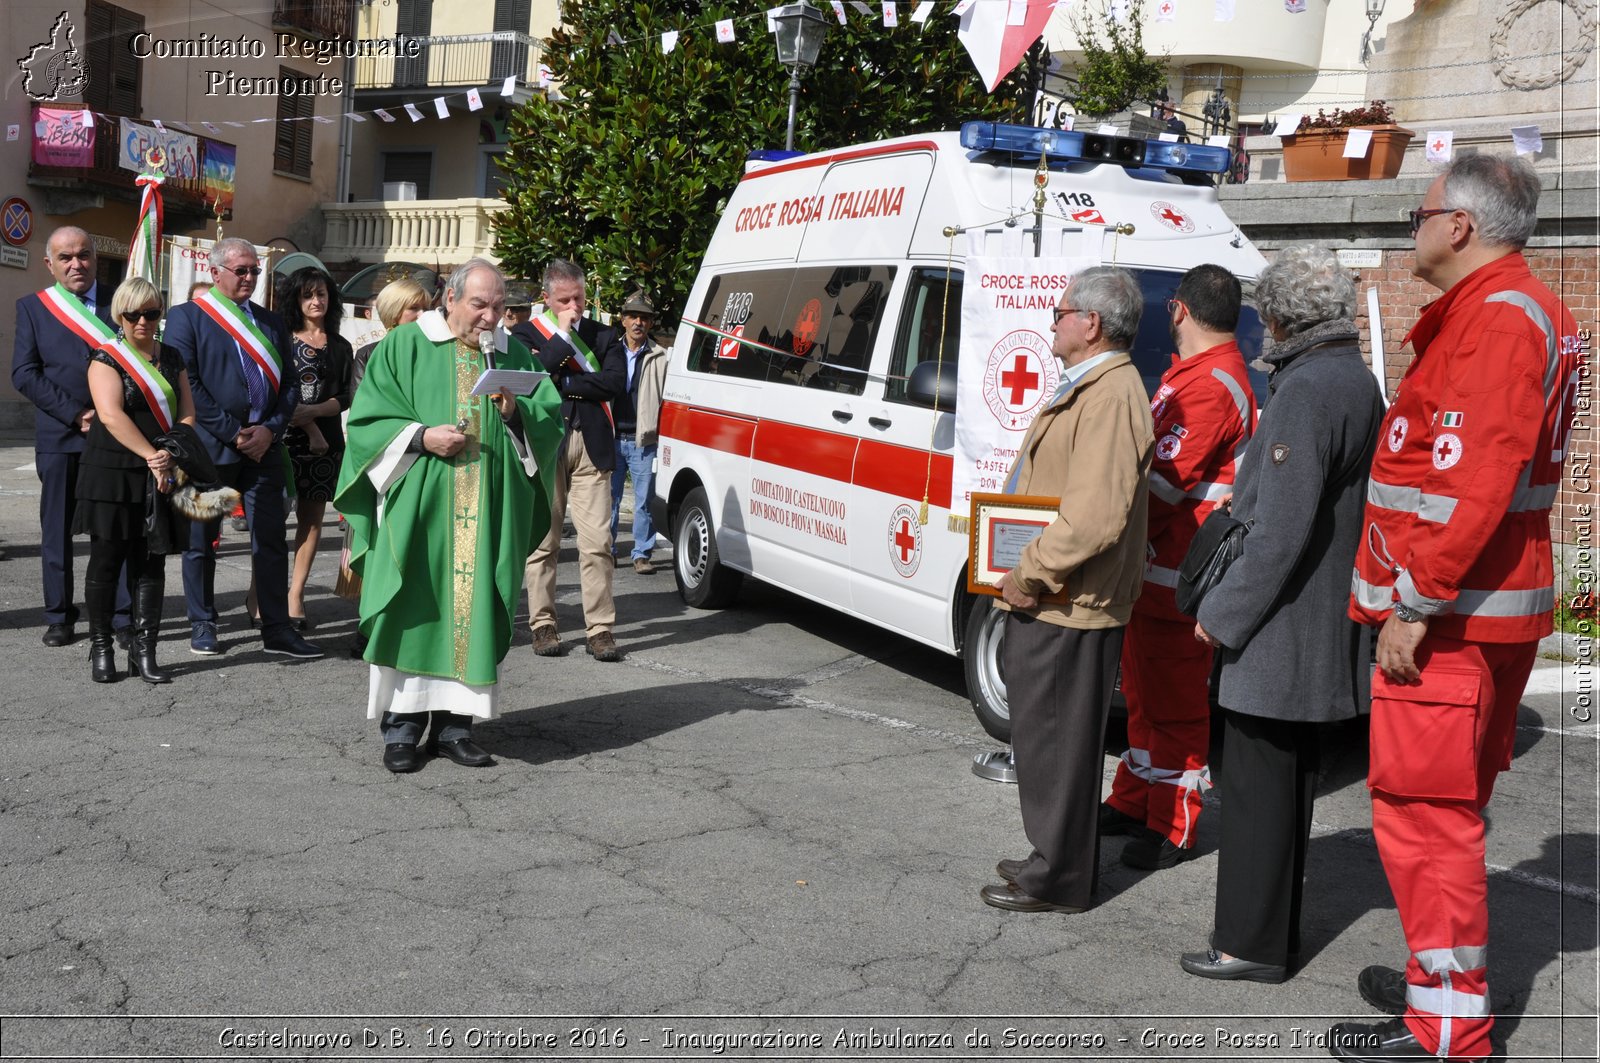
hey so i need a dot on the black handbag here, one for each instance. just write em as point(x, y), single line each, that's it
point(1217, 544)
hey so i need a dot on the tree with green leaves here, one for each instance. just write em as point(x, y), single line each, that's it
point(628, 172)
point(1115, 72)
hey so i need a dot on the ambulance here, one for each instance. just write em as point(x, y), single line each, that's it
point(809, 419)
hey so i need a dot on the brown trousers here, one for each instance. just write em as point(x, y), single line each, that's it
point(586, 490)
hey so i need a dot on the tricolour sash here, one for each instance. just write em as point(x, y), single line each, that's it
point(158, 392)
point(72, 313)
point(587, 362)
point(226, 313)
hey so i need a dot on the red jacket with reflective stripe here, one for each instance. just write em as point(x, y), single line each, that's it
point(1457, 523)
point(1204, 413)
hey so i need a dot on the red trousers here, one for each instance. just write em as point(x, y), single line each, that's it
point(1437, 747)
point(1166, 674)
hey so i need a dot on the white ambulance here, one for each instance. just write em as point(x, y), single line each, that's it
point(808, 407)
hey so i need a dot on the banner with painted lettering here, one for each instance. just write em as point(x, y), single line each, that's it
point(61, 139)
point(220, 163)
point(1007, 371)
point(188, 260)
point(182, 150)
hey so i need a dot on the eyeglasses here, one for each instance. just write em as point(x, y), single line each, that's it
point(151, 314)
point(1420, 216)
point(1063, 311)
point(244, 271)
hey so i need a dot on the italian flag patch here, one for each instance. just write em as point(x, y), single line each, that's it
point(1452, 420)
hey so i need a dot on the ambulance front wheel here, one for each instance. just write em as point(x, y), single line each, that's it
point(703, 581)
point(986, 681)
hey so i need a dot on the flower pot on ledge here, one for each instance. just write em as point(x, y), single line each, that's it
point(1318, 155)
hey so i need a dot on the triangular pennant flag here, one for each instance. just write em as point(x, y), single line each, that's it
point(1440, 146)
point(322, 119)
point(236, 125)
point(474, 100)
point(725, 31)
point(1526, 139)
point(1295, 7)
point(355, 116)
point(1287, 125)
point(924, 9)
point(861, 8)
point(88, 118)
point(838, 11)
point(157, 123)
point(1219, 140)
point(669, 41)
point(211, 127)
point(416, 115)
point(544, 75)
point(996, 47)
point(613, 38)
point(1167, 11)
point(961, 9)
point(440, 107)
point(1017, 12)
point(772, 17)
point(385, 115)
point(891, 15)
point(1357, 142)
point(1224, 11)
point(509, 85)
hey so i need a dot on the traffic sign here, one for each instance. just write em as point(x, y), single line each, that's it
point(16, 221)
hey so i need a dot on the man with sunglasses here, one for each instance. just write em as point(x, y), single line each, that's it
point(1455, 571)
point(57, 329)
point(237, 354)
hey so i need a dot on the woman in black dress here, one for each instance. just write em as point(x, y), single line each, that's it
point(315, 439)
point(140, 390)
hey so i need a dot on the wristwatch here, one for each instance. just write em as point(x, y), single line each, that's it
point(1408, 614)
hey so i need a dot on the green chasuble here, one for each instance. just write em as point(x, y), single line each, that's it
point(441, 548)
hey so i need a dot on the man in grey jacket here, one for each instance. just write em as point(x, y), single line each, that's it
point(638, 416)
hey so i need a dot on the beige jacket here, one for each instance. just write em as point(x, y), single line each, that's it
point(1092, 449)
point(649, 376)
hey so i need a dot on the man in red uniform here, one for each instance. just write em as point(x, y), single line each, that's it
point(1455, 565)
point(1204, 413)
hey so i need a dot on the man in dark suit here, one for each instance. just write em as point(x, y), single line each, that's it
point(56, 330)
point(587, 363)
point(240, 365)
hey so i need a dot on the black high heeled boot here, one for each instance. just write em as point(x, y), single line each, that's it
point(147, 595)
point(100, 600)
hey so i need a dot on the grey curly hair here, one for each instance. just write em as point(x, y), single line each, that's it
point(1304, 286)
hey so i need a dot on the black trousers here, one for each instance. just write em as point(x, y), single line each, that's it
point(1267, 783)
point(261, 485)
point(107, 558)
point(1059, 682)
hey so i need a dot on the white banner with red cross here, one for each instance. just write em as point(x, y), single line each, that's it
point(1007, 372)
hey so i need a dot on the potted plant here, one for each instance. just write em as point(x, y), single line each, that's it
point(1316, 151)
point(1114, 75)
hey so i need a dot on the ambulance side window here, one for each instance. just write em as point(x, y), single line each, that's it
point(725, 315)
point(932, 316)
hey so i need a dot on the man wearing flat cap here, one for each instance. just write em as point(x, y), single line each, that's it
point(519, 313)
point(638, 413)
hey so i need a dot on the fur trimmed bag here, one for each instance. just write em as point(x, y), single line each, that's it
point(199, 495)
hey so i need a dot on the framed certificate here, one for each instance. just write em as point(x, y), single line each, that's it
point(1001, 526)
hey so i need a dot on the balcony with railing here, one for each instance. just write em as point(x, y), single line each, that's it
point(315, 18)
point(445, 231)
point(472, 59)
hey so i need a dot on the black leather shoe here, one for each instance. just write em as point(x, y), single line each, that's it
point(1010, 897)
point(1384, 988)
point(1152, 852)
point(1210, 964)
point(1010, 869)
point(401, 757)
point(1364, 1042)
point(57, 635)
point(1115, 821)
point(464, 751)
point(288, 643)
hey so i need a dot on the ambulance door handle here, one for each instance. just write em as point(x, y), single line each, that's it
point(879, 422)
point(842, 416)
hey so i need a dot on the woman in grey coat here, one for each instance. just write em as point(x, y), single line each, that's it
point(1291, 658)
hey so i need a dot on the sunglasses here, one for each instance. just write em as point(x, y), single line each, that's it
point(1420, 216)
point(151, 314)
point(244, 271)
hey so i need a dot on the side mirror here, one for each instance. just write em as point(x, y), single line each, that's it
point(933, 384)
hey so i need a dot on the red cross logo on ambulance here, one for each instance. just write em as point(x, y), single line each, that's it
point(1397, 434)
point(905, 540)
point(1446, 450)
point(1171, 217)
point(1020, 375)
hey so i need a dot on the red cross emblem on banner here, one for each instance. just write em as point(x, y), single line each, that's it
point(1019, 380)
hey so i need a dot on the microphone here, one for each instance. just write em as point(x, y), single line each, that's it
point(486, 347)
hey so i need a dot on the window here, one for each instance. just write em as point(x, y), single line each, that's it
point(510, 57)
point(815, 327)
point(292, 153)
point(413, 166)
point(413, 19)
point(932, 317)
point(113, 68)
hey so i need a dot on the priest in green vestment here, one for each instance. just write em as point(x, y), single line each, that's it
point(446, 494)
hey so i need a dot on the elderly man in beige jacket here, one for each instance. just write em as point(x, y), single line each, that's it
point(1073, 590)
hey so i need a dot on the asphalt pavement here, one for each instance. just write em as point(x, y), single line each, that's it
point(756, 837)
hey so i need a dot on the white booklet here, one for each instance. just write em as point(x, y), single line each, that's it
point(515, 381)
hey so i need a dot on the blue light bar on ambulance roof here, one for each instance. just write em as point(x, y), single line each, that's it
point(1067, 145)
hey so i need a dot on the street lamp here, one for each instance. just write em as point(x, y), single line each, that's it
point(801, 28)
point(1374, 12)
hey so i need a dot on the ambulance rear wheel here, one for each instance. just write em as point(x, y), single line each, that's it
point(703, 581)
point(986, 680)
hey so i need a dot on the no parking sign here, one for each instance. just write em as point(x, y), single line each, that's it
point(16, 221)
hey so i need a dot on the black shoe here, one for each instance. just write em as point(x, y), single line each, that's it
point(1210, 964)
point(57, 635)
point(464, 751)
point(1384, 988)
point(1010, 897)
point(401, 757)
point(1151, 852)
point(1364, 1042)
point(288, 643)
point(1115, 821)
point(1010, 869)
point(203, 638)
